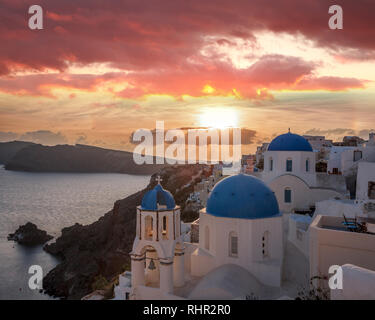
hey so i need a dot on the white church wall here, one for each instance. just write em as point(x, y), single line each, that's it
point(250, 233)
point(298, 165)
point(302, 196)
point(189, 249)
point(266, 261)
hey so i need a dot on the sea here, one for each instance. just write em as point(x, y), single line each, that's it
point(52, 201)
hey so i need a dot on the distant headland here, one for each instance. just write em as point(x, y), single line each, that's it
point(31, 157)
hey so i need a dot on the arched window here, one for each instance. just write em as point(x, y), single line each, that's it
point(287, 195)
point(207, 238)
point(233, 244)
point(307, 165)
point(265, 247)
point(289, 165)
point(148, 228)
point(164, 231)
point(271, 164)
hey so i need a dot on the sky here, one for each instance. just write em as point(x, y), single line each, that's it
point(100, 70)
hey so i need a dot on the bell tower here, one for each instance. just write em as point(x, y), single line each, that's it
point(157, 258)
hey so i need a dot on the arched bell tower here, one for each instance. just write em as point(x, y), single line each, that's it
point(157, 258)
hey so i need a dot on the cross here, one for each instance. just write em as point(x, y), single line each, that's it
point(158, 179)
point(289, 130)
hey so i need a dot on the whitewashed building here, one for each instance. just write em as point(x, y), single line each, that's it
point(289, 170)
point(240, 235)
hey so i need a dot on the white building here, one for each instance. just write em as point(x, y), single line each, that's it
point(318, 143)
point(157, 258)
point(364, 203)
point(240, 238)
point(241, 225)
point(332, 244)
point(289, 170)
point(342, 158)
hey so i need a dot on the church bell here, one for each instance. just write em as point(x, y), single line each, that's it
point(151, 266)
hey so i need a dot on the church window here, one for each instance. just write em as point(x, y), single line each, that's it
point(148, 228)
point(265, 240)
point(271, 164)
point(287, 195)
point(307, 165)
point(164, 231)
point(207, 238)
point(289, 165)
point(233, 244)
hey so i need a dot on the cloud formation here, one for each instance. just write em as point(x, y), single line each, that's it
point(45, 137)
point(159, 45)
point(8, 136)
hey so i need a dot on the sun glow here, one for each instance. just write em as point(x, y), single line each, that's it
point(218, 118)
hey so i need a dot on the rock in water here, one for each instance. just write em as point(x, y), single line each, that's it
point(30, 235)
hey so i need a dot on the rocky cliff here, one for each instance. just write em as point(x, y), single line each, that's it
point(101, 250)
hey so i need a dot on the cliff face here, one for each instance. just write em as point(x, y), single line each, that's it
point(78, 158)
point(102, 248)
point(9, 149)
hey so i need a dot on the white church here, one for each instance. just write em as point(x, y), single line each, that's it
point(240, 236)
point(245, 250)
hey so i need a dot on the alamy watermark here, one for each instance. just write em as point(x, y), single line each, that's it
point(177, 146)
point(36, 280)
point(36, 19)
point(336, 280)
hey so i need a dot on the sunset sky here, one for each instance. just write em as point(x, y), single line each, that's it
point(101, 69)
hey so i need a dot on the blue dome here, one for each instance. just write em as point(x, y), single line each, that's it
point(242, 196)
point(289, 142)
point(157, 196)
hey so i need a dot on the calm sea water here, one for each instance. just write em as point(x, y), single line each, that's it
point(52, 201)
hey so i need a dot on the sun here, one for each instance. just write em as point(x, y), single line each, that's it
point(218, 118)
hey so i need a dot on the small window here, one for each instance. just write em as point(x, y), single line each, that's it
point(357, 155)
point(289, 165)
point(164, 231)
point(233, 244)
point(148, 228)
point(287, 195)
point(307, 165)
point(371, 190)
point(207, 238)
point(265, 240)
point(271, 164)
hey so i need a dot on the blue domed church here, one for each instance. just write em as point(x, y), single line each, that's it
point(241, 225)
point(240, 246)
point(289, 170)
